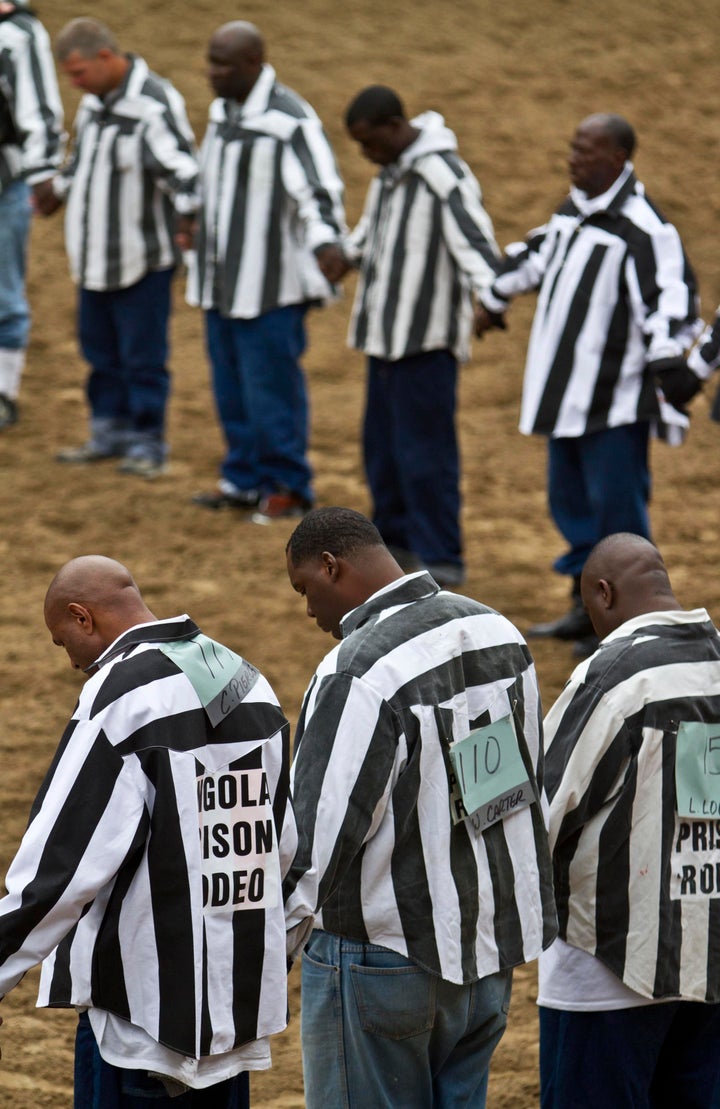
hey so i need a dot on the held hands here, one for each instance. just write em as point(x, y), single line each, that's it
point(677, 381)
point(485, 320)
point(44, 200)
point(332, 262)
point(185, 231)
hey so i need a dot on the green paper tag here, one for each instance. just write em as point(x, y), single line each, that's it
point(491, 781)
point(220, 678)
point(697, 770)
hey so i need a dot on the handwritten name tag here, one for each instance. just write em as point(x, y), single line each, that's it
point(490, 779)
point(220, 678)
point(697, 769)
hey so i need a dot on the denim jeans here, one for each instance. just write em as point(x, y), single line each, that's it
point(261, 399)
point(411, 455)
point(598, 484)
point(124, 337)
point(651, 1057)
point(98, 1085)
point(379, 1031)
point(14, 231)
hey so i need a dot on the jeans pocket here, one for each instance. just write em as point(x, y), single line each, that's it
point(394, 1002)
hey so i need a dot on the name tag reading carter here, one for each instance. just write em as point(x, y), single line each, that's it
point(490, 779)
point(220, 678)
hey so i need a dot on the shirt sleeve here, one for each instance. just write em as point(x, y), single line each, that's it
point(521, 270)
point(84, 821)
point(36, 106)
point(341, 781)
point(469, 236)
point(706, 355)
point(311, 178)
point(663, 291)
point(169, 154)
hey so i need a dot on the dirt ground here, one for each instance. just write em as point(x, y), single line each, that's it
point(512, 80)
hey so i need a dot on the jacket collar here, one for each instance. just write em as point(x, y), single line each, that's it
point(412, 587)
point(158, 631)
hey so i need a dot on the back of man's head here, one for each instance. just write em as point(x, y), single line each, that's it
point(341, 531)
point(624, 576)
point(375, 105)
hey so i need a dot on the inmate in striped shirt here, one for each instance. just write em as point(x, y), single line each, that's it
point(149, 875)
point(132, 169)
point(32, 145)
point(379, 857)
point(424, 244)
point(636, 884)
point(616, 292)
point(272, 195)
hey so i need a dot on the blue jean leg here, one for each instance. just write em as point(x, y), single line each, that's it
point(652, 1057)
point(378, 1031)
point(411, 454)
point(124, 337)
point(261, 399)
point(98, 1085)
point(14, 230)
point(598, 484)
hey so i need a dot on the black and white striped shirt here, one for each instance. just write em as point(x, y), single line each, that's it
point(615, 292)
point(133, 167)
point(272, 195)
point(30, 107)
point(636, 884)
point(423, 245)
point(379, 857)
point(149, 876)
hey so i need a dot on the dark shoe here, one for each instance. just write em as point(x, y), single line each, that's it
point(280, 506)
point(84, 454)
point(142, 466)
point(8, 411)
point(583, 648)
point(575, 624)
point(217, 499)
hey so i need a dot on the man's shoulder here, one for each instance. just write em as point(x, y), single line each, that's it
point(288, 102)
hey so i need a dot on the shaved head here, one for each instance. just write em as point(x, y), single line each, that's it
point(89, 603)
point(236, 54)
point(624, 576)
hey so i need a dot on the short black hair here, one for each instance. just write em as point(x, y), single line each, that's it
point(340, 531)
point(375, 104)
point(621, 132)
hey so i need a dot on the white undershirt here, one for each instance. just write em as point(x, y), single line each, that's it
point(571, 979)
point(125, 1045)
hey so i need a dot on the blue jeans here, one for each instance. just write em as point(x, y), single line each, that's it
point(411, 454)
point(124, 337)
point(598, 484)
point(261, 399)
point(14, 230)
point(653, 1057)
point(378, 1031)
point(98, 1085)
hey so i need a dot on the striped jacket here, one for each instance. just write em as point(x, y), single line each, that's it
point(132, 168)
point(615, 293)
point(423, 245)
point(379, 858)
point(149, 876)
point(31, 115)
point(638, 885)
point(272, 196)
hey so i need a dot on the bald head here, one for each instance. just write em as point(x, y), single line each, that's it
point(236, 54)
point(90, 602)
point(599, 149)
point(624, 577)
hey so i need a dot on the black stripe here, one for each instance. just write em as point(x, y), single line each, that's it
point(274, 264)
point(397, 259)
point(423, 302)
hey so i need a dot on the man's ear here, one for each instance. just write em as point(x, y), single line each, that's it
point(607, 593)
point(82, 617)
point(330, 565)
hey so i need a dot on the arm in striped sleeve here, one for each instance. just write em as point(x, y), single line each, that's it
point(62, 181)
point(169, 155)
point(342, 776)
point(354, 245)
point(706, 355)
point(663, 291)
point(469, 236)
point(521, 270)
point(588, 749)
point(311, 178)
point(88, 814)
point(38, 112)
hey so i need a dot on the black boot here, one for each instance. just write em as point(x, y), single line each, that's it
point(575, 624)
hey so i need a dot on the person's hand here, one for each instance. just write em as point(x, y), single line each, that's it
point(185, 231)
point(486, 321)
point(677, 381)
point(44, 200)
point(332, 262)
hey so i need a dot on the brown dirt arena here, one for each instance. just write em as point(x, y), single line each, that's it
point(512, 80)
